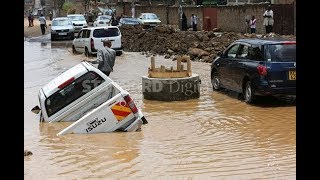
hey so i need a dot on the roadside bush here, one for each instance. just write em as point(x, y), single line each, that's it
point(68, 7)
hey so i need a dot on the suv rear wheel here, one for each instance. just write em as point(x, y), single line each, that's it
point(215, 81)
point(118, 53)
point(52, 38)
point(248, 94)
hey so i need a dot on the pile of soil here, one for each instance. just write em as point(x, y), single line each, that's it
point(168, 40)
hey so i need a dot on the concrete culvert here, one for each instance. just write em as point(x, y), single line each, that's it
point(165, 84)
point(171, 89)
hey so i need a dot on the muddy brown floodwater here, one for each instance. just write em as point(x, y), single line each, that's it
point(216, 136)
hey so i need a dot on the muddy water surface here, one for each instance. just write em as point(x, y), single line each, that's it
point(216, 136)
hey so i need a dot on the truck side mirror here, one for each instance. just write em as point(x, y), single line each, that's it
point(36, 110)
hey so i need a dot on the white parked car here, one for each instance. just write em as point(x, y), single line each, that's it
point(89, 40)
point(149, 20)
point(78, 21)
point(86, 96)
point(61, 28)
point(103, 20)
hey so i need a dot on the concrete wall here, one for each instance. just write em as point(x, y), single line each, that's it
point(167, 15)
point(232, 18)
point(228, 18)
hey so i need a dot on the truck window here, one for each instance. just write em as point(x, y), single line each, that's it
point(72, 92)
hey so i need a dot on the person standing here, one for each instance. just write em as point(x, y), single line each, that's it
point(252, 24)
point(29, 19)
point(268, 20)
point(43, 24)
point(184, 22)
point(50, 16)
point(105, 57)
point(194, 22)
point(133, 11)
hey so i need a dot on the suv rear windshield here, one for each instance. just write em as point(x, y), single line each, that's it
point(77, 18)
point(61, 22)
point(109, 32)
point(281, 52)
point(72, 92)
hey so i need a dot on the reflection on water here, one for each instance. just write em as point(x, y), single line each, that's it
point(216, 136)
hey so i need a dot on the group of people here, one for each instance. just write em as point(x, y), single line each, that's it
point(30, 19)
point(193, 22)
point(268, 21)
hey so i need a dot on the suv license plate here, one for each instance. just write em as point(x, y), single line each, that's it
point(292, 75)
point(62, 34)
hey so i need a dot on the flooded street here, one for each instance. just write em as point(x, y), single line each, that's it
point(216, 136)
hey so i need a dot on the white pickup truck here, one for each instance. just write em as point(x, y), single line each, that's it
point(88, 97)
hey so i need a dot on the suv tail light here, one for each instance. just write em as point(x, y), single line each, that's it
point(131, 104)
point(262, 70)
point(92, 44)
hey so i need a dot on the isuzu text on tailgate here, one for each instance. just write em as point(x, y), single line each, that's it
point(90, 99)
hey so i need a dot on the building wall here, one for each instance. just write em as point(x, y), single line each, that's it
point(282, 1)
point(233, 18)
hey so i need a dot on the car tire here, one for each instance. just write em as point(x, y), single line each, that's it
point(72, 36)
point(74, 51)
point(215, 81)
point(247, 93)
point(86, 52)
point(52, 38)
point(118, 53)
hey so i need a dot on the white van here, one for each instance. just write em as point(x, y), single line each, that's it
point(90, 98)
point(89, 40)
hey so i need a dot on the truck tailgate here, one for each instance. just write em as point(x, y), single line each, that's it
point(109, 116)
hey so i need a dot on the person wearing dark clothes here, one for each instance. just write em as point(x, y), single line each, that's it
point(29, 19)
point(184, 22)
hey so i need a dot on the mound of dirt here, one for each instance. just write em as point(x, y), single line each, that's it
point(168, 40)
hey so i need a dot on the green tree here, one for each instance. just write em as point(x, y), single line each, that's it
point(68, 7)
point(85, 3)
point(57, 5)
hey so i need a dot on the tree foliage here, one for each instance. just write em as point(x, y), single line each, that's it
point(68, 7)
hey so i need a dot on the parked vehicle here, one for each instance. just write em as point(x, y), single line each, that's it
point(89, 40)
point(128, 21)
point(149, 20)
point(256, 67)
point(103, 20)
point(61, 28)
point(78, 20)
point(90, 99)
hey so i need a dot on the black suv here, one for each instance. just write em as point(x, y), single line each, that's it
point(256, 67)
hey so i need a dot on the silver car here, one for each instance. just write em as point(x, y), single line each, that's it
point(62, 28)
point(78, 21)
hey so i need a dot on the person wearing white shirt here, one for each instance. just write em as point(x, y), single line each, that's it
point(43, 24)
point(268, 20)
point(194, 22)
point(252, 24)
